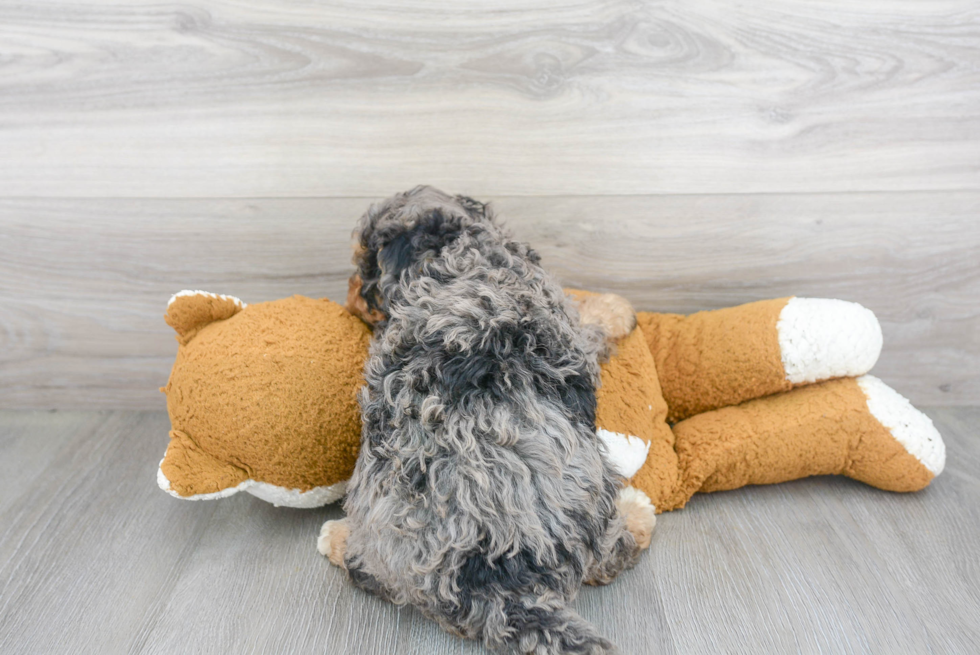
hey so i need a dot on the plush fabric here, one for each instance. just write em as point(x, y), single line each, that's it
point(262, 398)
point(264, 392)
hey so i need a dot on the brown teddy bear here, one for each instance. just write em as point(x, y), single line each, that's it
point(262, 398)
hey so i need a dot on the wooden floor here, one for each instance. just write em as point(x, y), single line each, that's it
point(94, 558)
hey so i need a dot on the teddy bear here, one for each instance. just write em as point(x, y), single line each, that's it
point(263, 399)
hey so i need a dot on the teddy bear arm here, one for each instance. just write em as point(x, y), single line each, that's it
point(724, 357)
point(631, 420)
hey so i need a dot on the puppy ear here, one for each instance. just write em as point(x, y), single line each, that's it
point(398, 254)
point(358, 305)
point(474, 208)
point(433, 230)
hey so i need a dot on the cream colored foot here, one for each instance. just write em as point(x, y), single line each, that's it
point(614, 314)
point(639, 513)
point(332, 542)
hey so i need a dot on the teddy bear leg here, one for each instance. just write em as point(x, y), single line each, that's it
point(854, 427)
point(332, 542)
point(724, 357)
point(627, 537)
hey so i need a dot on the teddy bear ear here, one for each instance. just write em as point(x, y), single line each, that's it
point(189, 311)
point(188, 472)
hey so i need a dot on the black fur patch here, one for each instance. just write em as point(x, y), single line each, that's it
point(391, 252)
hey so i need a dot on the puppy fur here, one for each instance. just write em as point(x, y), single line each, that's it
point(481, 494)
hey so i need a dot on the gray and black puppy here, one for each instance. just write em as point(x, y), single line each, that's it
point(481, 494)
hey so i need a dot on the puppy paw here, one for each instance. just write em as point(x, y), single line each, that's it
point(614, 314)
point(332, 542)
point(639, 514)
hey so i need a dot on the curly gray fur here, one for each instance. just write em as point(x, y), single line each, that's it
point(481, 494)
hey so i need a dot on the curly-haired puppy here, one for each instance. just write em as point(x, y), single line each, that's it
point(481, 494)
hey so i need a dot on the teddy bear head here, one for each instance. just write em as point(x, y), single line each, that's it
point(262, 398)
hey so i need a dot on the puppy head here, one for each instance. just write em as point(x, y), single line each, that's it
point(399, 233)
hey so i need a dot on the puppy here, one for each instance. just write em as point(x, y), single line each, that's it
point(481, 494)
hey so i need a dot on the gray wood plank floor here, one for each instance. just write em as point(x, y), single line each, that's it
point(95, 559)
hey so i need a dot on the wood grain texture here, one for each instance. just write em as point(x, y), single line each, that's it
point(84, 283)
point(287, 98)
point(95, 558)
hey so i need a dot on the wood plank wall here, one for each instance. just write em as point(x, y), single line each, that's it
point(689, 155)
